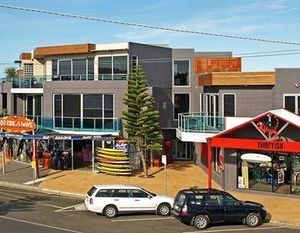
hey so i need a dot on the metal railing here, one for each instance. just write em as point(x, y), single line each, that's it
point(38, 80)
point(200, 123)
point(78, 124)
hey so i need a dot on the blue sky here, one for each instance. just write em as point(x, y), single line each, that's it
point(269, 19)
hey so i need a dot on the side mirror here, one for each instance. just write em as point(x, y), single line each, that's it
point(149, 196)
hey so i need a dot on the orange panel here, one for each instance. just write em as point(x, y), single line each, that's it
point(219, 64)
point(25, 56)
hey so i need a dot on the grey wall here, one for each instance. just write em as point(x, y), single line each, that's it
point(118, 88)
point(157, 64)
point(230, 157)
point(285, 84)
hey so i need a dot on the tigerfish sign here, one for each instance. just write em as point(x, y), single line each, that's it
point(17, 124)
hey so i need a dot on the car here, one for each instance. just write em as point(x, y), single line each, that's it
point(110, 200)
point(202, 207)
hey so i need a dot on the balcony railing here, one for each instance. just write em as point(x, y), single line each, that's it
point(37, 81)
point(78, 124)
point(200, 123)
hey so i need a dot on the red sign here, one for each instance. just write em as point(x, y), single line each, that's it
point(253, 144)
point(17, 124)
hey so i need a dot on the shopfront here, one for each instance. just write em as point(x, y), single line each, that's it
point(262, 154)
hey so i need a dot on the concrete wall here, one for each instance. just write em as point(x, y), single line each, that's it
point(230, 169)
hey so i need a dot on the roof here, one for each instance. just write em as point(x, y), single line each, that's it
point(282, 114)
point(116, 186)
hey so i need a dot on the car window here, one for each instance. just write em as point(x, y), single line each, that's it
point(91, 191)
point(121, 193)
point(105, 193)
point(229, 201)
point(138, 193)
point(179, 199)
point(195, 199)
point(213, 200)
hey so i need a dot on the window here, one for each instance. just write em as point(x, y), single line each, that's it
point(92, 106)
point(121, 193)
point(91, 191)
point(91, 67)
point(71, 105)
point(195, 199)
point(291, 102)
point(134, 61)
point(28, 70)
point(139, 193)
point(229, 105)
point(65, 68)
point(54, 67)
point(181, 104)
point(213, 200)
point(105, 193)
point(112, 68)
point(181, 73)
point(79, 67)
point(229, 201)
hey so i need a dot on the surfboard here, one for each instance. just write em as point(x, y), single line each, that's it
point(117, 173)
point(103, 160)
point(111, 153)
point(115, 165)
point(121, 158)
point(256, 158)
point(111, 150)
point(114, 169)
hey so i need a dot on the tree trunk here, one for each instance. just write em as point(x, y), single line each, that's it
point(143, 159)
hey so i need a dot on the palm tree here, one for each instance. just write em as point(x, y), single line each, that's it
point(11, 72)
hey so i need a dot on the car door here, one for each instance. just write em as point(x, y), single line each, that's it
point(122, 200)
point(102, 198)
point(214, 207)
point(234, 209)
point(142, 201)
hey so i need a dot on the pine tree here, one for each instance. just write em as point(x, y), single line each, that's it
point(141, 119)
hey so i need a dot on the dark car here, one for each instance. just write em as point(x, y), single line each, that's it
point(201, 207)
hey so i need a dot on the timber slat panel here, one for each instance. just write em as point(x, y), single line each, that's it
point(237, 78)
point(218, 64)
point(25, 56)
point(63, 50)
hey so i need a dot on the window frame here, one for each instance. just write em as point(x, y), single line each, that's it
point(223, 103)
point(296, 96)
point(173, 101)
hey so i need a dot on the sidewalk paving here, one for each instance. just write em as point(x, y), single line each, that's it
point(283, 209)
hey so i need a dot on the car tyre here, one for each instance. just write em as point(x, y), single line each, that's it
point(164, 209)
point(253, 220)
point(201, 222)
point(110, 211)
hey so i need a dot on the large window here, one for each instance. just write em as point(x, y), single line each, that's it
point(181, 73)
point(229, 105)
point(73, 69)
point(97, 111)
point(181, 104)
point(112, 68)
point(291, 102)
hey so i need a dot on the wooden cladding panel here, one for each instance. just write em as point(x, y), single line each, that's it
point(237, 78)
point(25, 56)
point(63, 50)
point(220, 64)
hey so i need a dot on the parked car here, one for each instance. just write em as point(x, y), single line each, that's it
point(110, 200)
point(202, 207)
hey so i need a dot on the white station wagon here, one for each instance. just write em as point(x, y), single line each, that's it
point(110, 200)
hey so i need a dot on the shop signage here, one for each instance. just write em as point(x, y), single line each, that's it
point(17, 124)
point(270, 145)
point(269, 128)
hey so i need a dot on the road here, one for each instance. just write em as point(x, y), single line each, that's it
point(23, 211)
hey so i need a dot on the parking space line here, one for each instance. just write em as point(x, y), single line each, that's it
point(237, 229)
point(67, 208)
point(141, 219)
point(40, 224)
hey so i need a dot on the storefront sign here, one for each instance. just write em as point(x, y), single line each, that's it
point(17, 124)
point(270, 145)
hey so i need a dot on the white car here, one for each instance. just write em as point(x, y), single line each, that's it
point(110, 200)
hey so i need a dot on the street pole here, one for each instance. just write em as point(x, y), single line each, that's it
point(164, 162)
point(72, 153)
point(3, 158)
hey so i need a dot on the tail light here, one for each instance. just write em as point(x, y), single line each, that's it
point(184, 210)
point(91, 201)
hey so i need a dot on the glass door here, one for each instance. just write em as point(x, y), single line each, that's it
point(295, 176)
point(212, 109)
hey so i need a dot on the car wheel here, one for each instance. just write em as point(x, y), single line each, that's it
point(110, 211)
point(252, 220)
point(201, 222)
point(164, 209)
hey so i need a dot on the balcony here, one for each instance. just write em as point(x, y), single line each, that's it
point(196, 127)
point(77, 124)
point(38, 81)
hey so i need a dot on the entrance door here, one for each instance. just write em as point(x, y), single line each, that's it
point(184, 150)
point(295, 177)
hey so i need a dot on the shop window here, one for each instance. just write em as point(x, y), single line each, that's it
point(291, 102)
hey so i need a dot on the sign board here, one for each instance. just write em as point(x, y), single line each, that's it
point(17, 124)
point(164, 159)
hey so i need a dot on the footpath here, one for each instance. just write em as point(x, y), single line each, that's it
point(283, 209)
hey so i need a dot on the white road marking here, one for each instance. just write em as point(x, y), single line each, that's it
point(236, 229)
point(77, 207)
point(35, 181)
point(40, 224)
point(141, 219)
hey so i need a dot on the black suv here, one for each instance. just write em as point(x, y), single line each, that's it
point(201, 207)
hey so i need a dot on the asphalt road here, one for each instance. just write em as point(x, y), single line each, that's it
point(24, 211)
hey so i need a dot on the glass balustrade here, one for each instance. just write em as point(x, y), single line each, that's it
point(200, 123)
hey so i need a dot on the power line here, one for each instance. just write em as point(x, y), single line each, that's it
point(267, 52)
point(147, 26)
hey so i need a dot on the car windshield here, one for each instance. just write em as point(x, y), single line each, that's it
point(91, 191)
point(152, 194)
